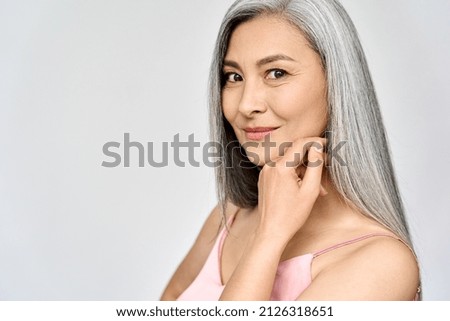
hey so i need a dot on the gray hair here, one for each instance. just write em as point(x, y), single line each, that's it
point(368, 181)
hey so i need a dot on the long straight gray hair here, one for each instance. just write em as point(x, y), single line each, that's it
point(368, 181)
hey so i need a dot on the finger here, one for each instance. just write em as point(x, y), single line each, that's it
point(313, 174)
point(323, 191)
point(260, 184)
point(294, 155)
point(301, 172)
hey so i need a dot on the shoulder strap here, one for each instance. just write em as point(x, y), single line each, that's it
point(225, 231)
point(361, 238)
point(336, 246)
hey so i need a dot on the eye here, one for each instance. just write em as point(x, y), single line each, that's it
point(276, 73)
point(232, 77)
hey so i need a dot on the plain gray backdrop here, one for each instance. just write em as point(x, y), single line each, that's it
point(77, 74)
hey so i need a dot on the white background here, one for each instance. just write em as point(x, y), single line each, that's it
point(77, 74)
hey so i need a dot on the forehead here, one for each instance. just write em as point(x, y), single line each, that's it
point(265, 35)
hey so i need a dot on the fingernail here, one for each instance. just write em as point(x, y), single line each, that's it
point(323, 191)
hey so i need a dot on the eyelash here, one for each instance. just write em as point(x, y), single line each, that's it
point(275, 70)
point(227, 75)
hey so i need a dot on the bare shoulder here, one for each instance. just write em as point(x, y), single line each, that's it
point(379, 268)
point(194, 260)
point(213, 223)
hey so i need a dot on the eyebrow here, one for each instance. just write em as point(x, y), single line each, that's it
point(272, 58)
point(261, 62)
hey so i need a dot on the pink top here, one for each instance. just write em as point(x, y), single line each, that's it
point(293, 276)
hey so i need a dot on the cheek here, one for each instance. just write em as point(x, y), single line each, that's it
point(291, 101)
point(303, 107)
point(229, 106)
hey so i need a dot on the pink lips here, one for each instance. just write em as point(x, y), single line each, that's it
point(258, 133)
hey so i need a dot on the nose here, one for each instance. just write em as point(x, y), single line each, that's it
point(253, 99)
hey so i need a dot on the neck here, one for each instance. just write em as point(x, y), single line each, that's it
point(330, 211)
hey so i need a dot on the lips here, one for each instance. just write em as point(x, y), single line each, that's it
point(258, 133)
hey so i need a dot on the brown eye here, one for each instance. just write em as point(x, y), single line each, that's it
point(232, 77)
point(276, 74)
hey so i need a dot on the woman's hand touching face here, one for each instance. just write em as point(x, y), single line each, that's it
point(289, 187)
point(274, 96)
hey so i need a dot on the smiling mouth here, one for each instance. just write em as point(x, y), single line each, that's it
point(258, 133)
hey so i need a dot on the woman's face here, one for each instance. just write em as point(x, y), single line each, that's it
point(275, 87)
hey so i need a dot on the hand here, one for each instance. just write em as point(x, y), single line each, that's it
point(287, 190)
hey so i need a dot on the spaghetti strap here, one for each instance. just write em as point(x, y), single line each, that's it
point(361, 238)
point(225, 231)
point(364, 237)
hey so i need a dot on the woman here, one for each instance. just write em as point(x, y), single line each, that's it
point(290, 89)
